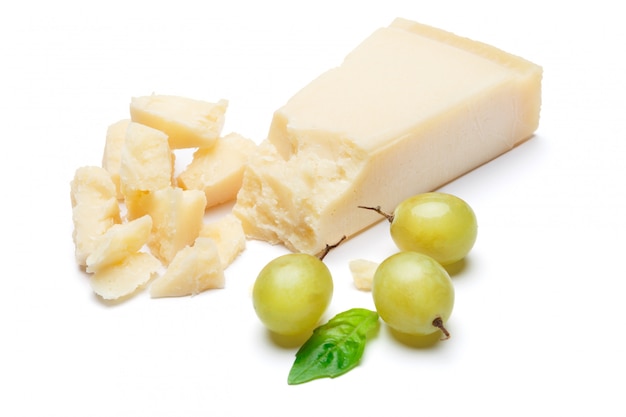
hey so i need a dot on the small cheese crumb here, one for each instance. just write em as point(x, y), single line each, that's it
point(363, 273)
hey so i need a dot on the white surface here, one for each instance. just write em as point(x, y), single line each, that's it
point(537, 326)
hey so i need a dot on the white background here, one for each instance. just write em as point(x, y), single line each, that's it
point(538, 325)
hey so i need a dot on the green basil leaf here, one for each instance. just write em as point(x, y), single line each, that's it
point(335, 347)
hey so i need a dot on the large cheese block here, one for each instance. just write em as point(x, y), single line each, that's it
point(410, 109)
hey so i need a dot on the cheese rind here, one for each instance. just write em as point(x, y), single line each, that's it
point(188, 123)
point(410, 109)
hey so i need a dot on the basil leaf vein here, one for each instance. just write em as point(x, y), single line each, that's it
point(335, 347)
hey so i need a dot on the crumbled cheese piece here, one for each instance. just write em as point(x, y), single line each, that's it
point(146, 165)
point(194, 269)
point(112, 156)
point(126, 277)
point(363, 273)
point(228, 235)
point(187, 122)
point(218, 169)
point(177, 216)
point(94, 208)
point(120, 241)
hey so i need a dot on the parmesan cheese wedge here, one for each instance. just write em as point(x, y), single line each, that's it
point(409, 110)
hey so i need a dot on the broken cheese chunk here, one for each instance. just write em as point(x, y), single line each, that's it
point(177, 216)
point(187, 122)
point(363, 272)
point(120, 241)
point(194, 269)
point(126, 277)
point(218, 170)
point(94, 208)
point(112, 156)
point(228, 235)
point(146, 165)
point(410, 109)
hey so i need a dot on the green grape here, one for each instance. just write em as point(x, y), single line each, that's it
point(292, 292)
point(413, 293)
point(439, 225)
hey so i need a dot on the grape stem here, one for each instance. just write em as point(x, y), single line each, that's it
point(328, 248)
point(438, 323)
point(379, 210)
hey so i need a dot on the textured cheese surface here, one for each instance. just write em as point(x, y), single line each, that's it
point(194, 269)
point(126, 277)
point(410, 109)
point(146, 165)
point(228, 235)
point(218, 170)
point(363, 272)
point(94, 209)
point(112, 156)
point(177, 216)
point(188, 123)
point(118, 242)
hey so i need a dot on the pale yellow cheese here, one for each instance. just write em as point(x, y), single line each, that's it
point(112, 156)
point(94, 208)
point(228, 235)
point(125, 278)
point(194, 269)
point(410, 109)
point(188, 123)
point(177, 216)
point(218, 170)
point(363, 272)
point(146, 165)
point(118, 242)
